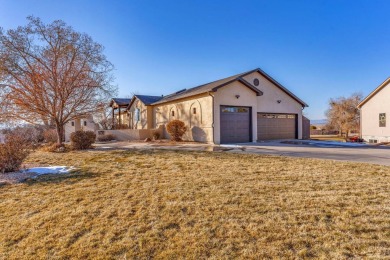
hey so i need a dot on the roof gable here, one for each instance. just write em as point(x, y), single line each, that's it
point(277, 84)
point(147, 100)
point(373, 93)
point(122, 102)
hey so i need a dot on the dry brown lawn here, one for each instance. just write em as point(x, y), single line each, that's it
point(196, 205)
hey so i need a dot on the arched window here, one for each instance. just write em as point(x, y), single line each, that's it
point(195, 114)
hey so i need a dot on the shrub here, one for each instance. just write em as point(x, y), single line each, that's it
point(50, 136)
point(12, 153)
point(30, 133)
point(176, 129)
point(81, 140)
point(105, 138)
point(156, 135)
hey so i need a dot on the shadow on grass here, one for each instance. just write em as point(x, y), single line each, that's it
point(69, 178)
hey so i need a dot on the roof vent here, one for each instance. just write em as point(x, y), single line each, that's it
point(184, 89)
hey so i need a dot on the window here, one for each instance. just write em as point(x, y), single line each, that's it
point(235, 110)
point(256, 82)
point(382, 120)
point(72, 123)
point(173, 113)
point(278, 116)
point(85, 123)
point(137, 115)
point(194, 110)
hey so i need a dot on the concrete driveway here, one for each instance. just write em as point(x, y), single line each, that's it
point(321, 150)
point(292, 148)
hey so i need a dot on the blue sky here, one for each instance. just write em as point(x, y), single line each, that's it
point(317, 49)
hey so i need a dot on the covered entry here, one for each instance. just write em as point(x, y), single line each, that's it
point(235, 124)
point(276, 126)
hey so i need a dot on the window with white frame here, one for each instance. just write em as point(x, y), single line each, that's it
point(137, 115)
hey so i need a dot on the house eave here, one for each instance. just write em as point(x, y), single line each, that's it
point(373, 93)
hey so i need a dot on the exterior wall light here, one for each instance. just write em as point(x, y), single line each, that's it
point(279, 101)
point(237, 96)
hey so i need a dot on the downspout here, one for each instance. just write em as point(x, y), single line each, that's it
point(360, 124)
point(212, 97)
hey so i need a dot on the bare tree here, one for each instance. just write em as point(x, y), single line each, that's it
point(52, 74)
point(343, 114)
point(103, 117)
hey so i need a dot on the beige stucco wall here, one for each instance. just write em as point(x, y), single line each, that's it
point(204, 125)
point(271, 94)
point(79, 125)
point(226, 96)
point(144, 115)
point(199, 125)
point(131, 134)
point(370, 116)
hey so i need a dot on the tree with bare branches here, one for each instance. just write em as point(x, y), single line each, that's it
point(343, 114)
point(103, 117)
point(51, 74)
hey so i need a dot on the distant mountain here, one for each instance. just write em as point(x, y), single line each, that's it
point(318, 122)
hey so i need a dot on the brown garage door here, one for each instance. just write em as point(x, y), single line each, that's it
point(276, 126)
point(235, 124)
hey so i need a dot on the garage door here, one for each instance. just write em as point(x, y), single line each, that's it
point(276, 126)
point(235, 124)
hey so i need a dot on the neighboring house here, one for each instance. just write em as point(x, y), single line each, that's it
point(374, 110)
point(247, 107)
point(85, 124)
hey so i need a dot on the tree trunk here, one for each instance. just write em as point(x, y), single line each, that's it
point(60, 133)
point(346, 135)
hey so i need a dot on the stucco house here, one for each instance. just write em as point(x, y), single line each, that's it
point(374, 110)
point(247, 107)
point(85, 124)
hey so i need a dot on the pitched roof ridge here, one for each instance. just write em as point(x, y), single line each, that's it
point(232, 78)
point(138, 95)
